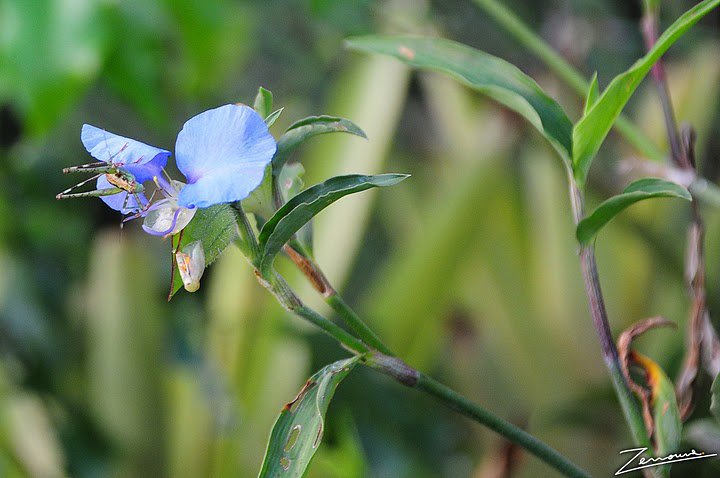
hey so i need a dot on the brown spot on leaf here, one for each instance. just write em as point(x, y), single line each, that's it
point(406, 52)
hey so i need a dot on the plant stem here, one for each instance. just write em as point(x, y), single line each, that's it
point(629, 405)
point(287, 298)
point(406, 375)
point(649, 25)
point(412, 378)
point(356, 323)
point(247, 243)
point(564, 70)
point(320, 283)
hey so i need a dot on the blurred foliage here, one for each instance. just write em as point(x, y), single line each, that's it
point(468, 268)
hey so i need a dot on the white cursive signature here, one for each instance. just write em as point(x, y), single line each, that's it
point(647, 462)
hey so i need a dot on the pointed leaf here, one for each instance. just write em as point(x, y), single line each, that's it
point(591, 130)
point(306, 128)
point(639, 190)
point(215, 227)
point(593, 93)
point(299, 428)
point(272, 117)
point(483, 72)
point(263, 102)
point(303, 207)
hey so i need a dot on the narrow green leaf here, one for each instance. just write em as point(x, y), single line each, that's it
point(300, 426)
point(263, 102)
point(272, 117)
point(590, 132)
point(215, 227)
point(306, 128)
point(639, 190)
point(303, 207)
point(592, 94)
point(483, 72)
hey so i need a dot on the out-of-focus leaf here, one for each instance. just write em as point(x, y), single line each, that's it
point(639, 190)
point(263, 102)
point(345, 459)
point(483, 72)
point(306, 128)
point(135, 65)
point(299, 428)
point(715, 400)
point(590, 132)
point(222, 27)
point(50, 51)
point(301, 209)
point(215, 227)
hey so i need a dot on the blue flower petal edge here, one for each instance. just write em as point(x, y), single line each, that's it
point(223, 153)
point(139, 159)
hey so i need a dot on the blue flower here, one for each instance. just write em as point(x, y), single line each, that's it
point(139, 159)
point(223, 153)
point(143, 161)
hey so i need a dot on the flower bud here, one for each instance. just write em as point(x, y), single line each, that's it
point(191, 264)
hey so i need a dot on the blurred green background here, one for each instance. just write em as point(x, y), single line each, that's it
point(468, 269)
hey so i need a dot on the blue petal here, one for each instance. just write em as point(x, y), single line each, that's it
point(139, 159)
point(223, 153)
point(120, 201)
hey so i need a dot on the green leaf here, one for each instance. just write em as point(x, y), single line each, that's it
point(272, 117)
point(263, 102)
point(303, 207)
point(590, 132)
point(639, 190)
point(593, 93)
point(260, 201)
point(306, 128)
point(299, 428)
point(215, 227)
point(483, 72)
point(290, 184)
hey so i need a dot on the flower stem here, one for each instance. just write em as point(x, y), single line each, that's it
point(564, 70)
point(629, 405)
point(406, 375)
point(246, 242)
point(320, 283)
point(412, 378)
point(287, 298)
point(356, 323)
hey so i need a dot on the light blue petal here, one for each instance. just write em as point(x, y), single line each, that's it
point(223, 186)
point(118, 201)
point(223, 153)
point(118, 150)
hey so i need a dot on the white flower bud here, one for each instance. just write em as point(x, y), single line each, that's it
point(191, 264)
